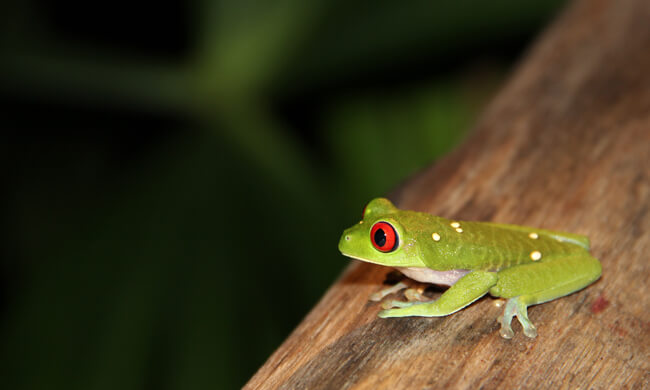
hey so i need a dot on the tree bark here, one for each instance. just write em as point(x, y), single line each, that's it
point(565, 145)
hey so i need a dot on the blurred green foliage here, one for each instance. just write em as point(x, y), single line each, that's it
point(171, 215)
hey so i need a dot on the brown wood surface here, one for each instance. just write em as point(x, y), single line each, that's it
point(565, 145)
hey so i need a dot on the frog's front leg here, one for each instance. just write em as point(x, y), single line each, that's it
point(468, 289)
point(533, 283)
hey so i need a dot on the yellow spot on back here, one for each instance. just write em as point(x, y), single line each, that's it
point(435, 236)
point(459, 230)
point(455, 224)
point(533, 235)
point(535, 255)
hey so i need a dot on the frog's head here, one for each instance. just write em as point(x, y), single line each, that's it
point(381, 237)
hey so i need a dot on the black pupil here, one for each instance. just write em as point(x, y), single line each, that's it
point(380, 237)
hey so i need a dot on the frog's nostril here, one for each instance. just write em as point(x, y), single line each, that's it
point(347, 238)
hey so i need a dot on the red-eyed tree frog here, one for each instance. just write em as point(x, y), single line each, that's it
point(524, 265)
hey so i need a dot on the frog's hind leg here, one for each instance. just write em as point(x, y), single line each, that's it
point(534, 283)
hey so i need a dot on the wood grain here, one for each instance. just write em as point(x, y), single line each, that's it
point(565, 145)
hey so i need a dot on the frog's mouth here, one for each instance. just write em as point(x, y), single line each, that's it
point(362, 259)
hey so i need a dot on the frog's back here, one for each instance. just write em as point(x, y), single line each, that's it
point(491, 246)
point(576, 239)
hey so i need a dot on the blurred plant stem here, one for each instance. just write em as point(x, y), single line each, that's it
point(244, 45)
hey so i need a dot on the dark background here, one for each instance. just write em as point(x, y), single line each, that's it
point(176, 175)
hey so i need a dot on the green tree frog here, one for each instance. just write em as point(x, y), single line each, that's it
point(524, 265)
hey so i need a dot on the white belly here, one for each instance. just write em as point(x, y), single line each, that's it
point(427, 275)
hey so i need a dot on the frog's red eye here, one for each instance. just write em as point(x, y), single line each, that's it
point(384, 237)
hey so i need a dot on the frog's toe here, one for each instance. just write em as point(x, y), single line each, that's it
point(530, 331)
point(506, 330)
point(522, 316)
point(506, 333)
point(379, 295)
point(505, 321)
point(391, 304)
point(397, 309)
point(412, 294)
point(386, 313)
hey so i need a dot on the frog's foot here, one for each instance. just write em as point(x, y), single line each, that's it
point(379, 295)
point(516, 307)
point(412, 294)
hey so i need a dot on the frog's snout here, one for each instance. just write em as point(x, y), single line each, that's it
point(345, 240)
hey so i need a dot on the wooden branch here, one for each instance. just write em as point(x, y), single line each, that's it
point(565, 145)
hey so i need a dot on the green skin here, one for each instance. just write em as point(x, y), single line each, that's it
point(527, 266)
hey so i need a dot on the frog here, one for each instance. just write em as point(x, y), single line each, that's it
point(522, 265)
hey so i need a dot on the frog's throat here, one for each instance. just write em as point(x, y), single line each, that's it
point(423, 274)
